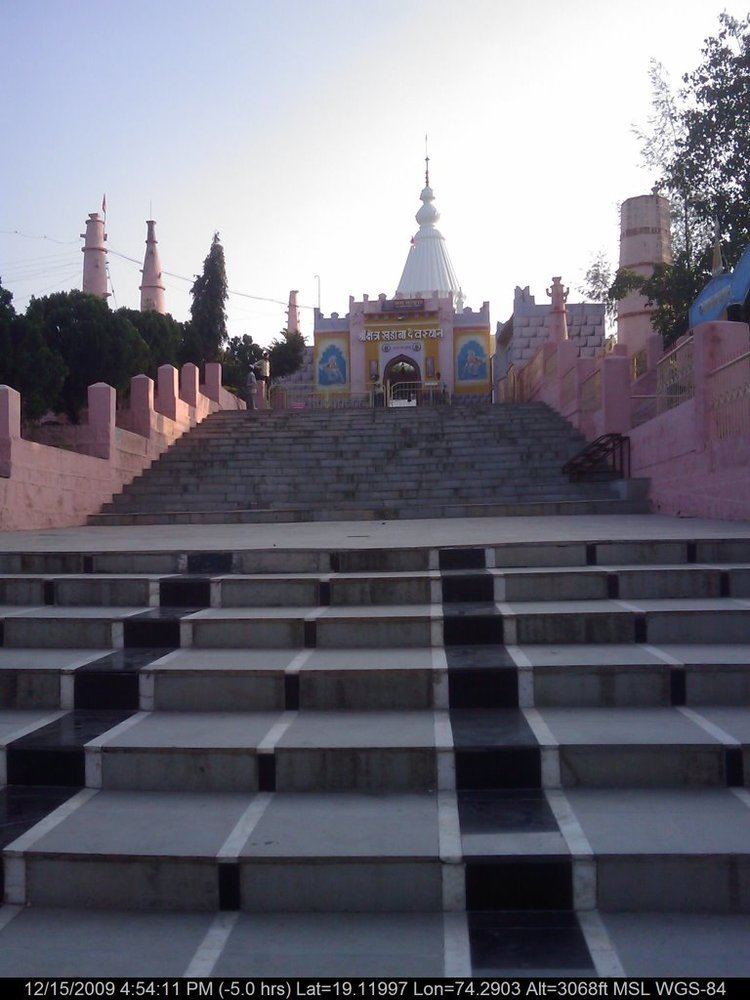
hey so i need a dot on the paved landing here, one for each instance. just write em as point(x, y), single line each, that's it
point(369, 534)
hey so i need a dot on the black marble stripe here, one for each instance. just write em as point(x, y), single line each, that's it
point(310, 634)
point(497, 883)
point(519, 943)
point(54, 754)
point(229, 885)
point(157, 627)
point(266, 772)
point(505, 811)
point(473, 558)
point(677, 686)
point(481, 677)
point(185, 592)
point(112, 680)
point(472, 625)
point(209, 562)
point(640, 628)
point(734, 767)
point(291, 692)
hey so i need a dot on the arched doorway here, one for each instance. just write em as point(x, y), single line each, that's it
point(398, 372)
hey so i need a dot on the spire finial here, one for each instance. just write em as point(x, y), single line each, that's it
point(426, 163)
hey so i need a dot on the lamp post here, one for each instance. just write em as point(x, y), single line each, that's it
point(317, 278)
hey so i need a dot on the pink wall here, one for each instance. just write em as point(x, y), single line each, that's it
point(696, 453)
point(53, 487)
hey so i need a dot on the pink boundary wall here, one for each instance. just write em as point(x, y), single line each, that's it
point(50, 487)
point(697, 453)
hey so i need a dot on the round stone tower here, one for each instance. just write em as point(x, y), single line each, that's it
point(644, 241)
point(152, 286)
point(95, 257)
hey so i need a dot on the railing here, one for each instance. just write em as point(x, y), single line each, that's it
point(608, 457)
point(729, 398)
point(674, 377)
point(283, 398)
point(418, 394)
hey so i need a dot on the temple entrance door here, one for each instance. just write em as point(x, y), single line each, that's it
point(401, 378)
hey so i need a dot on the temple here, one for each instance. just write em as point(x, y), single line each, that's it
point(421, 337)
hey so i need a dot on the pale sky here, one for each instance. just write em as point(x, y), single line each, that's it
point(296, 129)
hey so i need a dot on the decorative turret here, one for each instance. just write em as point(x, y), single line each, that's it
point(292, 313)
point(152, 287)
point(95, 257)
point(428, 267)
point(557, 320)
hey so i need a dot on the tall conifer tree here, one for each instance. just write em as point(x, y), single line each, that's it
point(208, 324)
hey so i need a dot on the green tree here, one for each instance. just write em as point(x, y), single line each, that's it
point(286, 354)
point(207, 329)
point(162, 334)
point(239, 354)
point(95, 344)
point(597, 283)
point(26, 363)
point(698, 139)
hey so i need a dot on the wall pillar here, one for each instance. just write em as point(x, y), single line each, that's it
point(102, 407)
point(167, 391)
point(212, 386)
point(10, 427)
point(142, 404)
point(615, 376)
point(189, 383)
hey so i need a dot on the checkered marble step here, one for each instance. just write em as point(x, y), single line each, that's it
point(381, 751)
point(625, 850)
point(40, 942)
point(386, 588)
point(230, 680)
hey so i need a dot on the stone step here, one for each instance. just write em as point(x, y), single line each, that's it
point(227, 680)
point(379, 751)
point(404, 510)
point(647, 850)
point(311, 589)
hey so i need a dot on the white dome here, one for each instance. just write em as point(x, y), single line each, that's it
point(428, 266)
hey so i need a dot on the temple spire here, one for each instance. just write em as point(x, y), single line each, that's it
point(428, 267)
point(152, 285)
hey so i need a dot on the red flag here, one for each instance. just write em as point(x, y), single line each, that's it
point(104, 205)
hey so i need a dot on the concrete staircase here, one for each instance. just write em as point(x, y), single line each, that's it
point(517, 758)
point(369, 463)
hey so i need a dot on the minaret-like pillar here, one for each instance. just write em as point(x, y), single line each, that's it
point(95, 257)
point(558, 315)
point(645, 240)
point(152, 286)
point(292, 313)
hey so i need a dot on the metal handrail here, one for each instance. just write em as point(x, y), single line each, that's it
point(614, 449)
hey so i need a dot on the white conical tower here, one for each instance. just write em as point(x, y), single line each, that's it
point(94, 257)
point(428, 267)
point(292, 313)
point(152, 287)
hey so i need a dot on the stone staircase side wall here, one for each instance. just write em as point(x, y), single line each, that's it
point(696, 452)
point(49, 487)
